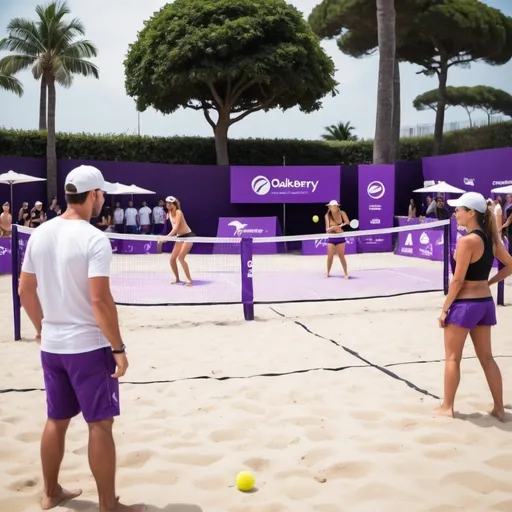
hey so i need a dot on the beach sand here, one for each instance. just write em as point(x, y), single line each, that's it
point(303, 397)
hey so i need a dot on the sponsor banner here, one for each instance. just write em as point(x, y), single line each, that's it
point(248, 227)
point(246, 263)
point(319, 247)
point(132, 246)
point(424, 243)
point(5, 256)
point(476, 171)
point(376, 206)
point(285, 184)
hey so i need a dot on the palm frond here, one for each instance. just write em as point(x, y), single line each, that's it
point(11, 84)
point(78, 66)
point(23, 32)
point(81, 50)
point(12, 64)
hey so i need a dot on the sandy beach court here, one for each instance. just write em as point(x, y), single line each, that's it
point(328, 404)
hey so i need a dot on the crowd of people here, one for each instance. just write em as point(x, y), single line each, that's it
point(436, 208)
point(131, 220)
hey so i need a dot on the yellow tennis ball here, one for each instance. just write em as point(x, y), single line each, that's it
point(245, 481)
point(315, 218)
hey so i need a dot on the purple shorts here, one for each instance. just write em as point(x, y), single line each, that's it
point(468, 313)
point(335, 241)
point(81, 383)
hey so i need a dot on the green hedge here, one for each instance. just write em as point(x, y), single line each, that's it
point(201, 150)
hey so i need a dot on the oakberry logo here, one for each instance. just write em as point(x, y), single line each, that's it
point(260, 185)
point(376, 189)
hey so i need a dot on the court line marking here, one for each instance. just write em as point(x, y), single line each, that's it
point(409, 275)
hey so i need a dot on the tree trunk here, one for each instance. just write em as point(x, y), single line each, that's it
point(42, 104)
point(395, 136)
point(387, 45)
point(51, 153)
point(221, 138)
point(441, 106)
point(469, 115)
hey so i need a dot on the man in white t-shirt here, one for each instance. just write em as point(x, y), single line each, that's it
point(132, 218)
point(159, 218)
point(64, 288)
point(145, 218)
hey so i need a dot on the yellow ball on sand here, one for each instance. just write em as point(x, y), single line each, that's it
point(245, 481)
point(315, 218)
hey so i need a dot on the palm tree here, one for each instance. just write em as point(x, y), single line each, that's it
point(340, 131)
point(11, 84)
point(383, 143)
point(51, 48)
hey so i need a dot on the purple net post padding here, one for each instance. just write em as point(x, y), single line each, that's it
point(427, 243)
point(247, 281)
point(15, 269)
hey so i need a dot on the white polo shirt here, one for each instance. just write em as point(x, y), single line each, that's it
point(145, 216)
point(64, 254)
point(158, 215)
point(131, 216)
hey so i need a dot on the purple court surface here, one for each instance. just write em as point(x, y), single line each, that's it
point(142, 285)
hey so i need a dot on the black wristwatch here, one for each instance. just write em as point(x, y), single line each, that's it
point(122, 350)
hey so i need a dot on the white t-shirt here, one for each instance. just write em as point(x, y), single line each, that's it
point(144, 216)
point(131, 216)
point(118, 216)
point(158, 215)
point(64, 254)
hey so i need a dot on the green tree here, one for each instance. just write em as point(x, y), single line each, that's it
point(340, 131)
point(229, 58)
point(11, 84)
point(51, 49)
point(435, 34)
point(492, 101)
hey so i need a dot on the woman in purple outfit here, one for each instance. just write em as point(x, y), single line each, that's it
point(469, 306)
point(335, 220)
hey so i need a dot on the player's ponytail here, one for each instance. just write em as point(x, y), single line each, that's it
point(488, 224)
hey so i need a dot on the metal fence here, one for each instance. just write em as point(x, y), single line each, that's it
point(428, 129)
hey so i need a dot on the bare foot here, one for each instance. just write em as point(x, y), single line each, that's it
point(49, 502)
point(176, 282)
point(327, 276)
point(499, 414)
point(444, 411)
point(188, 283)
point(347, 277)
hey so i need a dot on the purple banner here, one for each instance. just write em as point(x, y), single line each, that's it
point(427, 243)
point(376, 205)
point(319, 247)
point(285, 184)
point(5, 256)
point(132, 246)
point(248, 227)
point(476, 171)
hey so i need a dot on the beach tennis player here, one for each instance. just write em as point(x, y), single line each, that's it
point(469, 306)
point(179, 229)
point(335, 219)
point(64, 288)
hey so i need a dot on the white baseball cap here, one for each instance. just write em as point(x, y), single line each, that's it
point(170, 199)
point(332, 203)
point(471, 201)
point(86, 178)
point(38, 203)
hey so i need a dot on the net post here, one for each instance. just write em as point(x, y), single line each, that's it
point(15, 272)
point(446, 257)
point(246, 253)
point(500, 299)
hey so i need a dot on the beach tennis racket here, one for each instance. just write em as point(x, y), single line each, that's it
point(354, 224)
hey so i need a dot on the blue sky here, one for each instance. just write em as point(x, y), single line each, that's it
point(102, 106)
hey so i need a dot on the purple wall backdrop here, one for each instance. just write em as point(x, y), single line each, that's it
point(477, 171)
point(204, 191)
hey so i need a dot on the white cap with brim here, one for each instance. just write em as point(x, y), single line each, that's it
point(332, 203)
point(86, 178)
point(170, 199)
point(38, 203)
point(471, 201)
